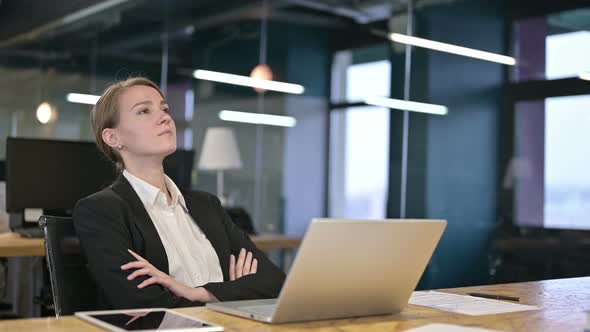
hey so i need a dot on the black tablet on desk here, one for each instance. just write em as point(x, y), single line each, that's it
point(156, 319)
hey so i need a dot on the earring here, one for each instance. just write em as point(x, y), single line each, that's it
point(120, 147)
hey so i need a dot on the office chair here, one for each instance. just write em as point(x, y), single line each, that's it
point(71, 284)
point(242, 219)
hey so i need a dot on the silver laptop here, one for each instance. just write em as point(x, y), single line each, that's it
point(348, 268)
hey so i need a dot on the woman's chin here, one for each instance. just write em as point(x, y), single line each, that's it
point(163, 151)
point(170, 150)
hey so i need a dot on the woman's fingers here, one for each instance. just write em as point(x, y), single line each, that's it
point(139, 258)
point(254, 266)
point(135, 265)
point(141, 272)
point(247, 264)
point(244, 265)
point(166, 281)
point(232, 267)
point(141, 262)
point(143, 267)
point(240, 263)
point(150, 281)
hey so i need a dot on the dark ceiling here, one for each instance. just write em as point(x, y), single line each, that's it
point(26, 23)
point(67, 34)
point(70, 32)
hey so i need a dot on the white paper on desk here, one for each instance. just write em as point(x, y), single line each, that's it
point(465, 304)
point(448, 328)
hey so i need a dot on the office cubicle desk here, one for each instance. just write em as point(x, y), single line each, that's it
point(562, 304)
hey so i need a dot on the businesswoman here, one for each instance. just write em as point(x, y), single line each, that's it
point(147, 243)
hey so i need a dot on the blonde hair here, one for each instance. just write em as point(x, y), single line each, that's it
point(106, 114)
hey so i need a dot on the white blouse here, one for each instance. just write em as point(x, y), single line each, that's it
point(191, 257)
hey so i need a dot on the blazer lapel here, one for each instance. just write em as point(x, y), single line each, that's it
point(155, 252)
point(205, 223)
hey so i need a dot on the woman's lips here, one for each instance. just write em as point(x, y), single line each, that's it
point(166, 132)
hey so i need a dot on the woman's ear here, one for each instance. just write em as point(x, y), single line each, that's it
point(110, 137)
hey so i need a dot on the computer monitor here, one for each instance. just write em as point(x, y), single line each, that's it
point(53, 174)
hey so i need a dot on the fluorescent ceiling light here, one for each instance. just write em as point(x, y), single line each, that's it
point(248, 81)
point(449, 48)
point(81, 98)
point(584, 76)
point(407, 105)
point(257, 118)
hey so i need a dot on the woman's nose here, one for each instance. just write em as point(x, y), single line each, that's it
point(165, 118)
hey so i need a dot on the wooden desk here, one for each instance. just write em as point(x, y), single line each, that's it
point(13, 246)
point(562, 303)
point(275, 241)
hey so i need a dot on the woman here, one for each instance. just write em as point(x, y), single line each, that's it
point(148, 244)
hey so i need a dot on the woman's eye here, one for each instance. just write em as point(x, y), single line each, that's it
point(166, 109)
point(144, 111)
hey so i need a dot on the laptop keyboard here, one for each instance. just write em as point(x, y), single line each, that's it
point(261, 309)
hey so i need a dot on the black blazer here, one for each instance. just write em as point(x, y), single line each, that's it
point(114, 219)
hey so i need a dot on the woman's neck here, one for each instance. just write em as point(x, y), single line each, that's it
point(151, 172)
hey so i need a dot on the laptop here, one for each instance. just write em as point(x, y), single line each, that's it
point(348, 268)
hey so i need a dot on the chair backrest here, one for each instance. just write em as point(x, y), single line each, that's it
point(242, 219)
point(71, 284)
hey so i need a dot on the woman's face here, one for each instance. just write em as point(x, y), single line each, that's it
point(145, 126)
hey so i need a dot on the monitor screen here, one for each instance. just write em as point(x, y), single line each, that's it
point(51, 174)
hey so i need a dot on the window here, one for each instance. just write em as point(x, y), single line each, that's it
point(359, 141)
point(553, 46)
point(567, 54)
point(551, 164)
point(567, 180)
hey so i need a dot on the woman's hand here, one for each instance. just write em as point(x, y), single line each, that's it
point(244, 266)
point(143, 267)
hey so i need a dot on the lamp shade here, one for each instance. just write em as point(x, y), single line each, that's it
point(220, 150)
